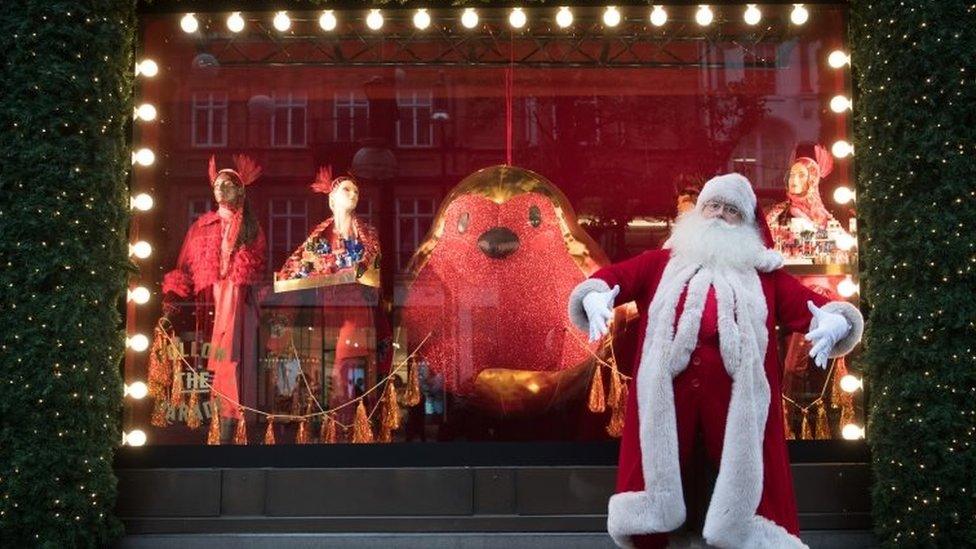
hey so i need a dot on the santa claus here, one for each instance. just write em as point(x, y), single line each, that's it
point(710, 302)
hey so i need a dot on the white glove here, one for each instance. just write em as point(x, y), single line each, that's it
point(599, 311)
point(831, 328)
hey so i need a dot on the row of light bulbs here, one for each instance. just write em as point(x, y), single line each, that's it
point(141, 249)
point(517, 18)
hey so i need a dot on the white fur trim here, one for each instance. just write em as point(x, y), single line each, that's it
point(632, 513)
point(768, 261)
point(732, 188)
point(854, 317)
point(577, 314)
point(766, 534)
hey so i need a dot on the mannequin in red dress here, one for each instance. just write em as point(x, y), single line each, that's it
point(222, 258)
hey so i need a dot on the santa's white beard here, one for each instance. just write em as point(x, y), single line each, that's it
point(714, 242)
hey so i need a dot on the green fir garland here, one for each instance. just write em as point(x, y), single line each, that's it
point(915, 139)
point(64, 159)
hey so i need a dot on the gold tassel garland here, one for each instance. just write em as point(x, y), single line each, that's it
point(615, 427)
point(787, 426)
point(805, 432)
point(361, 431)
point(328, 430)
point(391, 409)
point(193, 419)
point(158, 418)
point(176, 391)
point(302, 436)
point(269, 438)
point(213, 434)
point(240, 433)
point(598, 401)
point(412, 396)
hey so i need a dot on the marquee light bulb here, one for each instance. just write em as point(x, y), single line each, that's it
point(611, 17)
point(564, 17)
point(752, 16)
point(469, 18)
point(704, 15)
point(281, 21)
point(142, 202)
point(839, 104)
point(136, 390)
point(843, 195)
point(517, 18)
point(850, 384)
point(421, 19)
point(841, 149)
point(189, 23)
point(140, 295)
point(235, 23)
point(847, 288)
point(144, 157)
point(141, 249)
point(852, 432)
point(135, 437)
point(658, 16)
point(146, 112)
point(147, 68)
point(138, 343)
point(328, 21)
point(799, 15)
point(374, 20)
point(838, 59)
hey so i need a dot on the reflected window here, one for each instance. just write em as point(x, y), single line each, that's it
point(208, 125)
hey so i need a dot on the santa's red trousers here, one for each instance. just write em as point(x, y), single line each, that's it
point(701, 398)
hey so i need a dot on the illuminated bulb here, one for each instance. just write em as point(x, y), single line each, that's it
point(704, 15)
point(138, 343)
point(845, 242)
point(134, 437)
point(142, 202)
point(838, 59)
point(421, 19)
point(847, 288)
point(281, 21)
point(841, 148)
point(839, 104)
point(235, 23)
point(517, 18)
point(189, 23)
point(146, 112)
point(139, 294)
point(141, 249)
point(843, 195)
point(564, 17)
point(799, 15)
point(144, 157)
point(611, 17)
point(137, 390)
point(469, 18)
point(147, 68)
point(752, 15)
point(658, 16)
point(849, 383)
point(374, 20)
point(328, 21)
point(852, 432)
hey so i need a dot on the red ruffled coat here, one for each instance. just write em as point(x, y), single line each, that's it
point(198, 265)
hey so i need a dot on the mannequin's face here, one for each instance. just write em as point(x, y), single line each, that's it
point(799, 181)
point(226, 191)
point(344, 197)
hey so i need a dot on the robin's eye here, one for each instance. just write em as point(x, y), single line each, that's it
point(535, 216)
point(463, 222)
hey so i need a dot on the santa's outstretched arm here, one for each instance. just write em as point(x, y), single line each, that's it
point(834, 327)
point(613, 285)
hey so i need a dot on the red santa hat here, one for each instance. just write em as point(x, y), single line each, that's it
point(735, 189)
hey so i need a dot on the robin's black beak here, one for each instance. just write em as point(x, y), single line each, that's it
point(498, 242)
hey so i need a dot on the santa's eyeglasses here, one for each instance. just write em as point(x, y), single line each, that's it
point(714, 206)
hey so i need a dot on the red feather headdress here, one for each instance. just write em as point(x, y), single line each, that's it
point(324, 182)
point(245, 169)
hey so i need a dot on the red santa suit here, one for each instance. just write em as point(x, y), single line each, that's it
point(707, 361)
